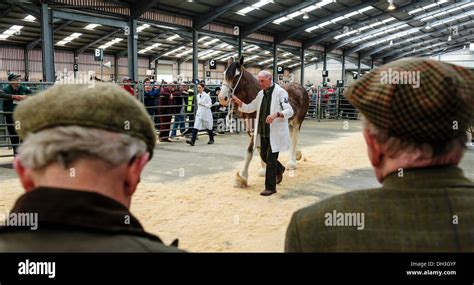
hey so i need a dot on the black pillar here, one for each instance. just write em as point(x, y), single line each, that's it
point(47, 43)
point(132, 50)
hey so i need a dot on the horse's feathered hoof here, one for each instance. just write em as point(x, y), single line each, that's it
point(291, 165)
point(298, 155)
point(240, 181)
point(262, 172)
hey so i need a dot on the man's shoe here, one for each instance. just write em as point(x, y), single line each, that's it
point(210, 142)
point(190, 142)
point(268, 192)
point(165, 140)
point(279, 177)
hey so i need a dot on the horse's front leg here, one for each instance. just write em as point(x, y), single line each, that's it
point(241, 179)
point(262, 170)
point(294, 154)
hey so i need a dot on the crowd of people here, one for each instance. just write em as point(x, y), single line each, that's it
point(172, 105)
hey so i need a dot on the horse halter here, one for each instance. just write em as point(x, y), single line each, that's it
point(230, 114)
point(232, 89)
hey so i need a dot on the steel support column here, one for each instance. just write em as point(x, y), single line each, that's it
point(47, 43)
point(302, 66)
point(195, 58)
point(275, 63)
point(132, 50)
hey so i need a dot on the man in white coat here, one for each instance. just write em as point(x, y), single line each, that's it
point(271, 131)
point(204, 118)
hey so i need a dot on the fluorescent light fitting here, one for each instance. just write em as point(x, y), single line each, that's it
point(172, 37)
point(312, 29)
point(29, 18)
point(142, 27)
point(391, 6)
point(253, 7)
point(365, 9)
point(91, 26)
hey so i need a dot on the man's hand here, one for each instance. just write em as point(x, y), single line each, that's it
point(18, 97)
point(237, 100)
point(271, 117)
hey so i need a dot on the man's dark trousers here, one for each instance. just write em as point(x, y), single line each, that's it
point(274, 167)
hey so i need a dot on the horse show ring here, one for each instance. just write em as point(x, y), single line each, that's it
point(188, 193)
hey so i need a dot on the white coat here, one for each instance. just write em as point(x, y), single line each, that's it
point(204, 118)
point(279, 131)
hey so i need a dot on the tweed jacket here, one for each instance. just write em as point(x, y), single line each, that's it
point(419, 210)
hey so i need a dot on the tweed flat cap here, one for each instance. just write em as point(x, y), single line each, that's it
point(105, 106)
point(416, 99)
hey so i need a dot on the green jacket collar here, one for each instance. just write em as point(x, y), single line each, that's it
point(427, 178)
point(79, 210)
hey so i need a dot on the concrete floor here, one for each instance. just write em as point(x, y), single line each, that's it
point(178, 161)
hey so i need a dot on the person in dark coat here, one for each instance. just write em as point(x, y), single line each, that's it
point(80, 167)
point(165, 110)
point(151, 94)
point(12, 95)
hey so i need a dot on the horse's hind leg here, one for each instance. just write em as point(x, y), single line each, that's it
point(241, 179)
point(262, 170)
point(294, 132)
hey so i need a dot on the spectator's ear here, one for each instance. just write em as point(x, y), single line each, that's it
point(25, 175)
point(374, 149)
point(134, 171)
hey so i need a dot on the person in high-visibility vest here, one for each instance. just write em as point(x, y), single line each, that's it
point(190, 111)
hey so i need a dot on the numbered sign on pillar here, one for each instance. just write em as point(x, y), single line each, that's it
point(99, 54)
point(280, 69)
point(212, 64)
point(76, 67)
point(208, 74)
point(325, 73)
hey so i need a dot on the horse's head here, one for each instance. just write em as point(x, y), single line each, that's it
point(232, 76)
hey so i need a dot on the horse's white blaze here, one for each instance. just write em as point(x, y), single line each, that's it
point(225, 94)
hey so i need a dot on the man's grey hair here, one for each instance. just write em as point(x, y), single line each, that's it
point(67, 144)
point(394, 146)
point(266, 73)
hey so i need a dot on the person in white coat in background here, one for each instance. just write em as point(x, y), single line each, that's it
point(204, 118)
point(271, 132)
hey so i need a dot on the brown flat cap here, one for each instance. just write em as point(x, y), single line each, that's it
point(416, 99)
point(105, 106)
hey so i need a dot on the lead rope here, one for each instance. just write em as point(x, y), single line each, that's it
point(231, 107)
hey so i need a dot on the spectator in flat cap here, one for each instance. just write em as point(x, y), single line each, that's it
point(79, 169)
point(416, 113)
point(12, 95)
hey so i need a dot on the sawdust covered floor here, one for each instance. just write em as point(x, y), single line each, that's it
point(187, 192)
